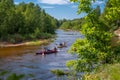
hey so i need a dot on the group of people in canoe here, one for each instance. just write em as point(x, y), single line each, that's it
point(46, 50)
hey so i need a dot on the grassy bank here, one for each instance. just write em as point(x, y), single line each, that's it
point(106, 72)
point(27, 43)
point(7, 49)
point(31, 42)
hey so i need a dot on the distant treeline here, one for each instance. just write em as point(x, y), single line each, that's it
point(25, 21)
point(72, 24)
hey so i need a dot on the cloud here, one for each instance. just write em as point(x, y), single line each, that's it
point(98, 2)
point(59, 2)
point(16, 3)
point(47, 7)
point(74, 6)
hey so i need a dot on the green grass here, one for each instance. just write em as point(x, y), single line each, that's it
point(58, 72)
point(106, 72)
point(38, 42)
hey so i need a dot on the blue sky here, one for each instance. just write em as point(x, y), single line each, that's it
point(60, 9)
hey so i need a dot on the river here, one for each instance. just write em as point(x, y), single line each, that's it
point(24, 61)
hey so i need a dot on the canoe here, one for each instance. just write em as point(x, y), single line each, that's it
point(61, 46)
point(47, 52)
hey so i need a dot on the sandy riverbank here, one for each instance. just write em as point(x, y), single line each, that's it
point(32, 43)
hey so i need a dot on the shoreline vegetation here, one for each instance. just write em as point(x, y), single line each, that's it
point(10, 49)
point(24, 22)
point(105, 72)
point(27, 43)
point(74, 24)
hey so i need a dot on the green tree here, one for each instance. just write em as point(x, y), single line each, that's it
point(111, 14)
point(96, 47)
point(84, 5)
point(43, 14)
point(72, 24)
point(6, 11)
point(24, 22)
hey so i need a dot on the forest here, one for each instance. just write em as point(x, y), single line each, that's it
point(74, 24)
point(25, 21)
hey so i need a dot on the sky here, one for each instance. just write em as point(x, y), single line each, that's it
point(61, 9)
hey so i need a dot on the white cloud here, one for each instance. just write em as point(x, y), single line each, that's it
point(16, 3)
point(74, 6)
point(47, 7)
point(98, 2)
point(60, 2)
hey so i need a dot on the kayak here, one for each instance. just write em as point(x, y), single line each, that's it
point(61, 46)
point(47, 52)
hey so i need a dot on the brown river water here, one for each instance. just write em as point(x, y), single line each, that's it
point(22, 59)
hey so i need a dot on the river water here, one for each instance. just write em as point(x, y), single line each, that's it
point(24, 61)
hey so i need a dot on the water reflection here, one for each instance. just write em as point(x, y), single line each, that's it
point(11, 51)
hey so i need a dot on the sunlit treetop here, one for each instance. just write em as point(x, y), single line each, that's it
point(84, 5)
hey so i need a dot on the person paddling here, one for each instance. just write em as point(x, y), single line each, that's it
point(55, 49)
point(64, 44)
point(61, 44)
point(43, 51)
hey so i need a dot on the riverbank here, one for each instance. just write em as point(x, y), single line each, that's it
point(9, 49)
point(105, 72)
point(27, 43)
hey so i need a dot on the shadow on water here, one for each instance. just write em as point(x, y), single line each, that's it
point(38, 65)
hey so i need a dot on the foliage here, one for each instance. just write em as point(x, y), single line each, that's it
point(112, 10)
point(111, 14)
point(72, 24)
point(65, 75)
point(95, 48)
point(106, 72)
point(90, 50)
point(58, 72)
point(12, 76)
point(84, 5)
point(3, 73)
point(27, 21)
point(60, 22)
point(15, 77)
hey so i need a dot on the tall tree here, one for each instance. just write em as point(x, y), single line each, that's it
point(24, 22)
point(6, 11)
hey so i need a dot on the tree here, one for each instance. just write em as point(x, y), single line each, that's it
point(84, 5)
point(24, 22)
point(72, 24)
point(6, 9)
point(43, 14)
point(96, 47)
point(111, 13)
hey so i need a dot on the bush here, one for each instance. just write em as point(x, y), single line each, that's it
point(16, 38)
point(106, 72)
